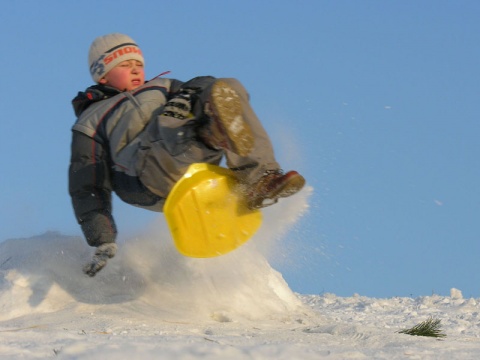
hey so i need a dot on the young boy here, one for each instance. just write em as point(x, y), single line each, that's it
point(138, 138)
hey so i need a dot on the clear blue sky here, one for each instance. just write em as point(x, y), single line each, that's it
point(375, 102)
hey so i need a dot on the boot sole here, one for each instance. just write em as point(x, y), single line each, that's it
point(227, 110)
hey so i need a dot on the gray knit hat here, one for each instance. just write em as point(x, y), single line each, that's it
point(108, 51)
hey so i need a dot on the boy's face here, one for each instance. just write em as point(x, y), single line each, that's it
point(126, 76)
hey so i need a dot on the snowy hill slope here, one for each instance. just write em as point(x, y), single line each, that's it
point(150, 302)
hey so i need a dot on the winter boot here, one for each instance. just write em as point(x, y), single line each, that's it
point(274, 184)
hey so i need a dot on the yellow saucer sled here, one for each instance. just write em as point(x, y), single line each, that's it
point(206, 216)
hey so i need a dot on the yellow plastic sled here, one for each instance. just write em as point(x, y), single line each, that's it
point(205, 215)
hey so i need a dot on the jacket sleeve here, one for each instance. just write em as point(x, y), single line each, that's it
point(90, 189)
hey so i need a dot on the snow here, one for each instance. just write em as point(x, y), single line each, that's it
point(151, 302)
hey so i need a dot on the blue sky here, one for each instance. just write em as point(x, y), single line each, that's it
point(375, 102)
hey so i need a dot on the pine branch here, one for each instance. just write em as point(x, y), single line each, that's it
point(430, 327)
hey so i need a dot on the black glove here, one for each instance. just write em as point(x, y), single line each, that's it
point(99, 259)
point(180, 105)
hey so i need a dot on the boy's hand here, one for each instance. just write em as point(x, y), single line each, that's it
point(179, 106)
point(99, 259)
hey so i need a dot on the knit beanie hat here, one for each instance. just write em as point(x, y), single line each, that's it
point(108, 51)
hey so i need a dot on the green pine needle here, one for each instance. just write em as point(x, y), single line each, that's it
point(430, 327)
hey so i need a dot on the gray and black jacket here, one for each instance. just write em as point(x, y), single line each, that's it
point(123, 142)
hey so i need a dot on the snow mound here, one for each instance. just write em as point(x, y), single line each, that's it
point(42, 274)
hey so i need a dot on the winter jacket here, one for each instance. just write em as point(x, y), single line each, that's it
point(105, 137)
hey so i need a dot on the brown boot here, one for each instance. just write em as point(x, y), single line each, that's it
point(272, 186)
